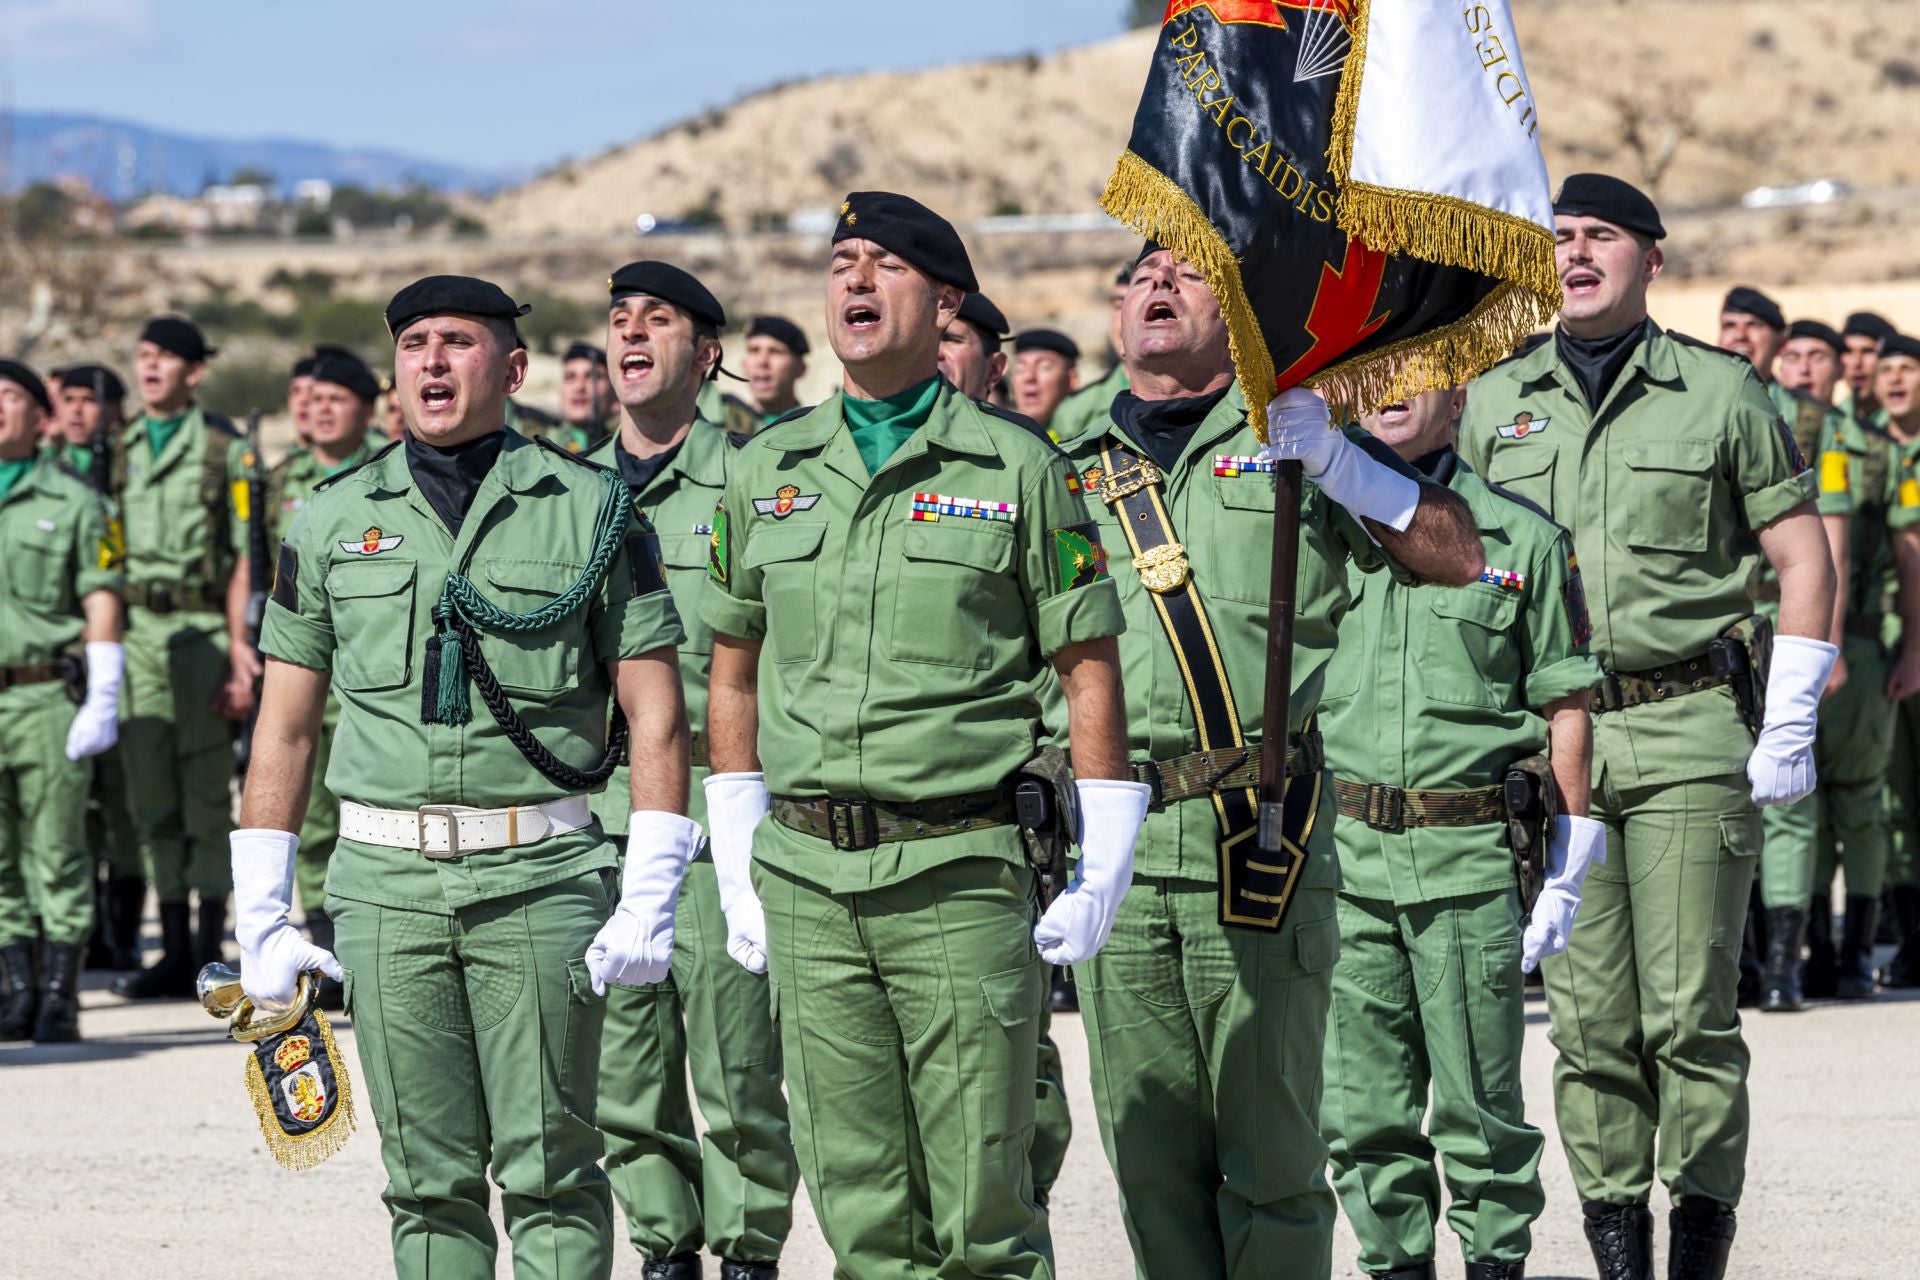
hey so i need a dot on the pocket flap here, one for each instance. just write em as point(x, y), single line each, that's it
point(975, 544)
point(546, 577)
point(1520, 461)
point(791, 542)
point(1317, 944)
point(1487, 605)
point(1012, 996)
point(1695, 457)
point(1251, 491)
point(372, 578)
point(685, 551)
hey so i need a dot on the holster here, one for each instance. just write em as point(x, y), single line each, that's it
point(1047, 808)
point(74, 676)
point(1533, 802)
point(1742, 655)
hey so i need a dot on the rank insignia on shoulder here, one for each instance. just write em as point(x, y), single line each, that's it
point(1503, 577)
point(1240, 464)
point(372, 543)
point(932, 506)
point(1082, 560)
point(1522, 426)
point(786, 500)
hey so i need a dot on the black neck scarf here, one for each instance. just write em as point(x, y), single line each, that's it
point(641, 472)
point(1163, 428)
point(448, 478)
point(1596, 362)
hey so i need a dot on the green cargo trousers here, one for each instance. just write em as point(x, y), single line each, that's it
point(110, 833)
point(45, 868)
point(479, 1042)
point(320, 830)
point(1852, 753)
point(731, 1191)
point(909, 1020)
point(1206, 1044)
point(1052, 1122)
point(1642, 1004)
point(1429, 995)
point(177, 753)
point(1903, 795)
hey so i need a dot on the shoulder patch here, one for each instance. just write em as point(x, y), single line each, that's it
point(338, 476)
point(1573, 595)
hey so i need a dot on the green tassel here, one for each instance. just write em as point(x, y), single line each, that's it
point(452, 706)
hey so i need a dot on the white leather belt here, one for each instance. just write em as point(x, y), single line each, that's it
point(449, 830)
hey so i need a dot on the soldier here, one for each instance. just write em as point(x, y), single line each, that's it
point(59, 583)
point(1088, 406)
point(586, 399)
point(734, 1193)
point(1046, 370)
point(1435, 704)
point(299, 386)
point(173, 469)
point(970, 354)
point(904, 558)
point(1809, 360)
point(775, 361)
point(1863, 334)
point(1896, 392)
point(1204, 1014)
point(472, 887)
point(1662, 456)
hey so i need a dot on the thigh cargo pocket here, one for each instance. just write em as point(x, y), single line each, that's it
point(372, 606)
point(1009, 1051)
point(1741, 836)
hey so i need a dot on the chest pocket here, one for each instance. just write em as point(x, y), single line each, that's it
point(1349, 660)
point(787, 557)
point(372, 606)
point(534, 662)
point(1236, 564)
point(1468, 656)
point(38, 573)
point(955, 596)
point(1670, 501)
point(686, 558)
point(1526, 469)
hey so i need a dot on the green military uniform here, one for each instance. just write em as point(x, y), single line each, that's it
point(1088, 407)
point(54, 549)
point(730, 413)
point(1430, 697)
point(478, 1029)
point(176, 749)
point(733, 1191)
point(1206, 1039)
point(1662, 487)
point(902, 666)
point(1903, 776)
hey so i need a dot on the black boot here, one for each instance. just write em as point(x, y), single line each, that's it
point(681, 1266)
point(1752, 946)
point(19, 990)
point(1621, 1237)
point(731, 1270)
point(1817, 975)
point(209, 931)
point(126, 899)
point(1903, 971)
point(1780, 984)
point(1066, 994)
point(1855, 957)
point(59, 1019)
point(171, 977)
point(1700, 1236)
point(1496, 1271)
point(1418, 1271)
point(99, 950)
point(333, 997)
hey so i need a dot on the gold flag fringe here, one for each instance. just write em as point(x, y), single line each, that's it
point(304, 1151)
point(1154, 205)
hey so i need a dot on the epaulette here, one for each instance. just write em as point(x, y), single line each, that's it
point(1866, 428)
point(338, 476)
point(1022, 421)
point(67, 468)
point(538, 417)
point(580, 459)
point(1500, 491)
point(1699, 344)
point(220, 422)
point(738, 439)
point(799, 411)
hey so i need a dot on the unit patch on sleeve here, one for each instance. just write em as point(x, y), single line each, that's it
point(1833, 472)
point(932, 506)
point(717, 547)
point(786, 500)
point(372, 543)
point(286, 577)
point(1797, 459)
point(1082, 560)
point(1574, 596)
point(646, 571)
point(113, 547)
point(1910, 492)
point(1522, 426)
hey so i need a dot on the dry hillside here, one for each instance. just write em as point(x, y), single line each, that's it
point(1703, 99)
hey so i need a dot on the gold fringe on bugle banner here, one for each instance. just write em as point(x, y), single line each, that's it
point(304, 1151)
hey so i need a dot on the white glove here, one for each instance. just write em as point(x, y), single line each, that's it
point(1781, 766)
point(1300, 430)
point(1080, 919)
point(1576, 845)
point(273, 954)
point(96, 726)
point(635, 947)
point(735, 804)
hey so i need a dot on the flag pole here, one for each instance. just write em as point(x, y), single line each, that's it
point(1284, 582)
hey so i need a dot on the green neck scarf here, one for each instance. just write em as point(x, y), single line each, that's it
point(79, 457)
point(12, 473)
point(880, 427)
point(161, 431)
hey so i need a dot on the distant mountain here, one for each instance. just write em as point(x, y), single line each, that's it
point(122, 159)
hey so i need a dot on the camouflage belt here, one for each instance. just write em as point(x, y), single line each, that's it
point(1386, 808)
point(35, 673)
point(161, 599)
point(1205, 772)
point(857, 823)
point(1621, 689)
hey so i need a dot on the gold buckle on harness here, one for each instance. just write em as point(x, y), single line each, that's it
point(1128, 481)
point(1163, 568)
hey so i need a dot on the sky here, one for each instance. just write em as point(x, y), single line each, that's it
point(482, 82)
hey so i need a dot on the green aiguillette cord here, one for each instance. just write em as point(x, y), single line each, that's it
point(162, 430)
point(880, 427)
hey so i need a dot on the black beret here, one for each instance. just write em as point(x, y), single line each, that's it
point(1048, 340)
point(1867, 324)
point(668, 283)
point(97, 378)
point(781, 330)
point(902, 225)
point(1599, 195)
point(978, 310)
point(1815, 329)
point(459, 295)
point(1899, 344)
point(1752, 302)
point(585, 351)
point(27, 380)
point(346, 370)
point(302, 368)
point(178, 335)
point(1147, 249)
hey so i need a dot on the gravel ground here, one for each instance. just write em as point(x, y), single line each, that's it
point(136, 1153)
